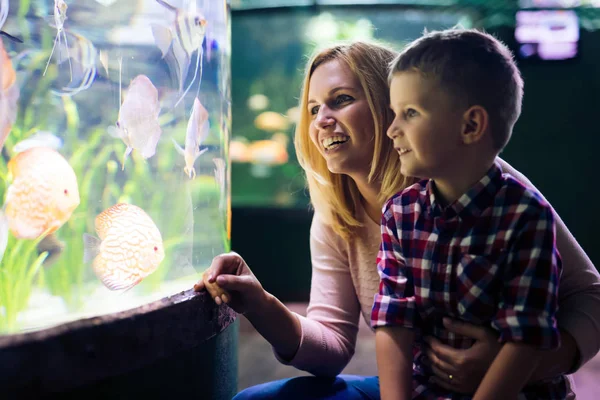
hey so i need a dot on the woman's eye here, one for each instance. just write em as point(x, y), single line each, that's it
point(314, 110)
point(343, 98)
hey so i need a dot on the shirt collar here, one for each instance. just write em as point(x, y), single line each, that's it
point(474, 201)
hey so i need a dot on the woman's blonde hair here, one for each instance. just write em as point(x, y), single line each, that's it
point(335, 196)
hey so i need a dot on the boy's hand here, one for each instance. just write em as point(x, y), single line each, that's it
point(230, 280)
point(466, 366)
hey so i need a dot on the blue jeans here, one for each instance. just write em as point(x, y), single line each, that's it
point(342, 387)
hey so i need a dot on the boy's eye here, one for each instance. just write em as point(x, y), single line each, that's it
point(410, 113)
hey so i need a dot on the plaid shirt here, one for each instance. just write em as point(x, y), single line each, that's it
point(489, 258)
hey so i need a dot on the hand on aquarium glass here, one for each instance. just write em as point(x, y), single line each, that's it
point(466, 367)
point(242, 291)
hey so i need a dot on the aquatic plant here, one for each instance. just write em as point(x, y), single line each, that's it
point(18, 269)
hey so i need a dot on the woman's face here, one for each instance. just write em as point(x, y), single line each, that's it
point(342, 126)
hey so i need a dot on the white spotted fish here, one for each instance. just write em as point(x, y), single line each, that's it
point(129, 249)
point(137, 125)
point(43, 194)
point(197, 130)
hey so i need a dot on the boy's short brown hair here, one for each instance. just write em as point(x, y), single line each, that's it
point(475, 68)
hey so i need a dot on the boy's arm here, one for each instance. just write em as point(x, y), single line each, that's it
point(393, 315)
point(394, 362)
point(509, 372)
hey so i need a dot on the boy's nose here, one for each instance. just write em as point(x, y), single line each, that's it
point(393, 131)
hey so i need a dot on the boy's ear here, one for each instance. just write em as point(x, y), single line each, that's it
point(475, 124)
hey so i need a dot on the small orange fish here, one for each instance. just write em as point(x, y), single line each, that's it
point(129, 249)
point(43, 194)
point(9, 94)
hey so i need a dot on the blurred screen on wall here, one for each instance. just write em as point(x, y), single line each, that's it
point(558, 3)
point(547, 34)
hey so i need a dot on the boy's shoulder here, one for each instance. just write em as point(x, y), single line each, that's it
point(513, 193)
point(411, 195)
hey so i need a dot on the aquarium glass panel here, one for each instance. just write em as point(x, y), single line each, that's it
point(270, 49)
point(114, 171)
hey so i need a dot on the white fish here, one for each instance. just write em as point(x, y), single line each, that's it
point(39, 139)
point(198, 129)
point(60, 15)
point(181, 40)
point(83, 56)
point(137, 124)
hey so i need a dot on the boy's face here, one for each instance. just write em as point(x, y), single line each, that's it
point(427, 126)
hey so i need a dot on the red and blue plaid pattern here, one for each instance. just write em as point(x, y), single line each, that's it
point(489, 258)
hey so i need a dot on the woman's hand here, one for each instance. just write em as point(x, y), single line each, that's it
point(230, 272)
point(462, 370)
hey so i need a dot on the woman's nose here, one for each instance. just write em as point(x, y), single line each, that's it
point(324, 118)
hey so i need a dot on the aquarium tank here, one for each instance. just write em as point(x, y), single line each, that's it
point(114, 173)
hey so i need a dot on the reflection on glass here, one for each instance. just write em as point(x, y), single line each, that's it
point(114, 126)
point(269, 53)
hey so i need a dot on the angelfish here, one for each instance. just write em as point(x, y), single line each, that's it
point(60, 15)
point(197, 130)
point(182, 38)
point(137, 125)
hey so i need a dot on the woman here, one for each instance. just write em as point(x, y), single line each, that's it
point(351, 170)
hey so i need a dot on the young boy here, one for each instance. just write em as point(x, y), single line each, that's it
point(470, 242)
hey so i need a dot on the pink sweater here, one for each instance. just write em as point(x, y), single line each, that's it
point(345, 279)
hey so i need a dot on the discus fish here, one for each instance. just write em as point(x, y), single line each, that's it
point(9, 94)
point(181, 39)
point(197, 130)
point(129, 249)
point(137, 124)
point(43, 194)
point(60, 15)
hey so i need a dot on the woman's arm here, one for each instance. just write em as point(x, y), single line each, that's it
point(578, 302)
point(273, 320)
point(321, 343)
point(393, 346)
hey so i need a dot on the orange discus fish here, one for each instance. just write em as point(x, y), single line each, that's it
point(9, 94)
point(129, 249)
point(43, 193)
